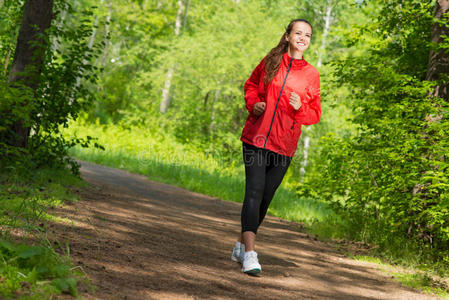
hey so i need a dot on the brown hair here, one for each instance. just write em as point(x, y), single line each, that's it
point(274, 57)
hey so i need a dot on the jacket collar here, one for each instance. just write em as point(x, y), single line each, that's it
point(296, 64)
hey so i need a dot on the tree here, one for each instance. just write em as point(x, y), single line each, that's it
point(52, 51)
point(165, 102)
point(328, 18)
point(137, 33)
point(28, 59)
point(388, 178)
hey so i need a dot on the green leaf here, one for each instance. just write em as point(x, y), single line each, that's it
point(30, 251)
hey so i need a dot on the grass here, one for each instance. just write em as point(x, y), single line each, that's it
point(422, 281)
point(415, 279)
point(30, 266)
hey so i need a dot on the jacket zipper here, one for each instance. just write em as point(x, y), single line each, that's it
point(293, 126)
point(279, 98)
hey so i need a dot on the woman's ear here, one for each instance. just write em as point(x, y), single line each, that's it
point(286, 37)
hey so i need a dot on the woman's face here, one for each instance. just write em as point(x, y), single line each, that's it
point(299, 37)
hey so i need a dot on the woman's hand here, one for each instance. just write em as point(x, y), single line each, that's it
point(295, 101)
point(259, 108)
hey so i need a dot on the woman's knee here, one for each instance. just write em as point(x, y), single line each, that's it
point(255, 194)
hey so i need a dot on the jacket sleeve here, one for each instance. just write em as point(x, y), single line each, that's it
point(252, 86)
point(310, 111)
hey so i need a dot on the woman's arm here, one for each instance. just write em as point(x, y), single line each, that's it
point(310, 111)
point(252, 86)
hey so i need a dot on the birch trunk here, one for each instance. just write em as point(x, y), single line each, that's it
point(89, 46)
point(8, 56)
point(29, 57)
point(212, 117)
point(145, 5)
point(165, 92)
point(327, 24)
point(307, 132)
point(186, 9)
point(55, 44)
point(165, 102)
point(106, 33)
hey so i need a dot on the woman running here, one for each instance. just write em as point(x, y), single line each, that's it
point(282, 94)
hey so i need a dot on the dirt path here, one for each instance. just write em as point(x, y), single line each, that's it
point(137, 239)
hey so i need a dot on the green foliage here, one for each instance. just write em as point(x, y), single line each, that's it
point(388, 177)
point(59, 95)
point(137, 35)
point(33, 271)
point(215, 53)
point(27, 197)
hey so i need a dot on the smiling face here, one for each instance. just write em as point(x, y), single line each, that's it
point(298, 39)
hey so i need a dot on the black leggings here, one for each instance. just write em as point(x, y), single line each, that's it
point(264, 172)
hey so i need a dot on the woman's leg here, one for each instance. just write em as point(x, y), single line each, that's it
point(255, 166)
point(277, 166)
point(249, 239)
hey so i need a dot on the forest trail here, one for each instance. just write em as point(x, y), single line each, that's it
point(138, 239)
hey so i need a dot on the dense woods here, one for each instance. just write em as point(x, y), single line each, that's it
point(392, 171)
point(40, 89)
point(176, 68)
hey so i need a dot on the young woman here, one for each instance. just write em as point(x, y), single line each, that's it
point(282, 94)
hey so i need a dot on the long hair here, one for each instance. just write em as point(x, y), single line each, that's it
point(274, 57)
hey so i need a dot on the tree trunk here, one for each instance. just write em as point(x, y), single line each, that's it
point(165, 92)
point(327, 24)
point(89, 46)
point(29, 57)
point(439, 60)
point(302, 171)
point(55, 44)
point(165, 102)
point(186, 9)
point(8, 55)
point(307, 132)
point(212, 117)
point(106, 33)
point(145, 5)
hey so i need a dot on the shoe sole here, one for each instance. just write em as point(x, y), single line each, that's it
point(253, 272)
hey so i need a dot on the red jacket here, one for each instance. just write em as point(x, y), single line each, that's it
point(278, 129)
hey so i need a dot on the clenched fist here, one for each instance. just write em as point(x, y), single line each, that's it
point(259, 108)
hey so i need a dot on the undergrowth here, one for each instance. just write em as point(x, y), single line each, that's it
point(31, 267)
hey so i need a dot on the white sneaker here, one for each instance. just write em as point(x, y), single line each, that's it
point(251, 264)
point(238, 252)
